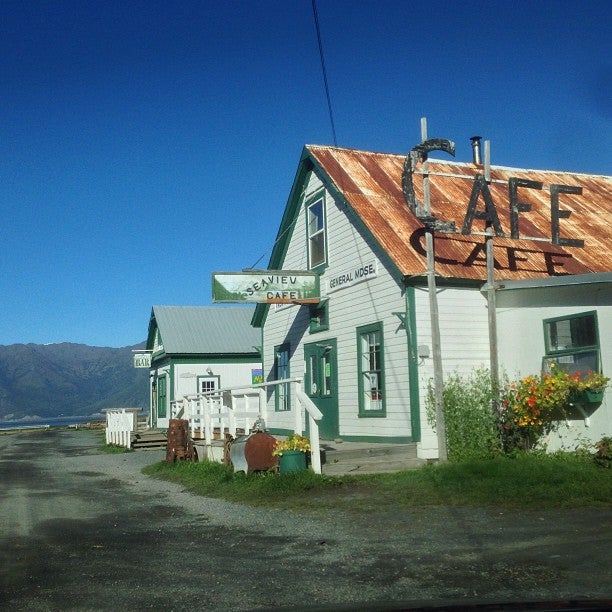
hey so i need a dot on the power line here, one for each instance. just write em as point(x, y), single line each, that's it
point(329, 105)
point(331, 119)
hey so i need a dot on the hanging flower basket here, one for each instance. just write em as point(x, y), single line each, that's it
point(586, 396)
point(587, 388)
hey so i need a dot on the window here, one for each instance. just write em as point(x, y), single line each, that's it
point(207, 384)
point(281, 371)
point(572, 343)
point(316, 233)
point(370, 370)
point(319, 317)
point(161, 397)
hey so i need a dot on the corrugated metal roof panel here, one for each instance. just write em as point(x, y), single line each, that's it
point(372, 185)
point(604, 278)
point(206, 329)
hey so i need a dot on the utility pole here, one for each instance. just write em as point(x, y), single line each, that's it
point(491, 298)
point(436, 345)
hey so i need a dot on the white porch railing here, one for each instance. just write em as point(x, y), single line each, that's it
point(120, 423)
point(227, 410)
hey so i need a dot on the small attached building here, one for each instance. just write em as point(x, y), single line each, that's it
point(365, 351)
point(196, 349)
point(565, 320)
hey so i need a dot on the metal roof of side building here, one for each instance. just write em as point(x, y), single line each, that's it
point(205, 330)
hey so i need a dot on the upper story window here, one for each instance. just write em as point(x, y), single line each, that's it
point(315, 221)
point(572, 342)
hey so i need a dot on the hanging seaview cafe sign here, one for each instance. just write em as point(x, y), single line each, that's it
point(266, 287)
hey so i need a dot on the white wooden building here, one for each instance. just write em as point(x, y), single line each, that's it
point(196, 349)
point(578, 309)
point(365, 351)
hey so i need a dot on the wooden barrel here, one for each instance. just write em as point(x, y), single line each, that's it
point(178, 440)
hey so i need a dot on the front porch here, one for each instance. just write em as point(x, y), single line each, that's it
point(216, 416)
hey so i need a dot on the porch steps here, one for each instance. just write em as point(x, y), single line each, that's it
point(148, 439)
point(368, 458)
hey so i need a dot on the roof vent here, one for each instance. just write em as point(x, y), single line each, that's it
point(476, 149)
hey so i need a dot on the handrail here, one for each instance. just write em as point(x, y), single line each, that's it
point(314, 415)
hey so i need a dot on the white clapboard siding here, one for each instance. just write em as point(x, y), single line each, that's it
point(521, 348)
point(371, 301)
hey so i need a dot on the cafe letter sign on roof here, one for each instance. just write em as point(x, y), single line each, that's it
point(266, 287)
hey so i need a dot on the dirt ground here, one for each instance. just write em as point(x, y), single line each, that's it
point(85, 530)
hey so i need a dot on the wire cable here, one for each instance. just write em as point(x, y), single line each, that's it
point(321, 55)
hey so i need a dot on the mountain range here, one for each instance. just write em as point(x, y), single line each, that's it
point(66, 379)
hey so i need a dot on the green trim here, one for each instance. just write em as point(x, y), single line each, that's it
point(160, 362)
point(171, 380)
point(413, 365)
point(336, 193)
point(201, 377)
point(574, 349)
point(285, 230)
point(277, 431)
point(367, 329)
point(319, 317)
point(552, 355)
point(217, 358)
point(162, 381)
point(317, 196)
point(327, 403)
point(459, 283)
point(285, 347)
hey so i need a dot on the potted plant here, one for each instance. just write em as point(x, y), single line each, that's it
point(587, 388)
point(292, 453)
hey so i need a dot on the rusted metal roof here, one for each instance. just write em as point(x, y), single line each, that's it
point(371, 183)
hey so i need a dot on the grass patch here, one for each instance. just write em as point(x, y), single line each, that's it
point(525, 481)
point(113, 449)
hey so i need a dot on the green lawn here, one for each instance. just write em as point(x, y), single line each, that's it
point(525, 481)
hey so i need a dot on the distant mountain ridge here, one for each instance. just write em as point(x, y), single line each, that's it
point(49, 380)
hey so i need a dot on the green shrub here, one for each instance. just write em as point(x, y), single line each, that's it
point(472, 430)
point(603, 452)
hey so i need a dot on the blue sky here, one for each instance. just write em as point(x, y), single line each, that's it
point(147, 144)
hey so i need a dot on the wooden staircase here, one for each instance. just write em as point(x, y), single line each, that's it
point(149, 439)
point(368, 458)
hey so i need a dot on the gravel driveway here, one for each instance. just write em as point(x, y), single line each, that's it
point(85, 530)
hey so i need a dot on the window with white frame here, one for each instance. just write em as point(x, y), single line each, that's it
point(316, 232)
point(370, 370)
point(208, 384)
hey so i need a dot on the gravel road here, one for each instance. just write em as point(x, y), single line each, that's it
point(85, 530)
